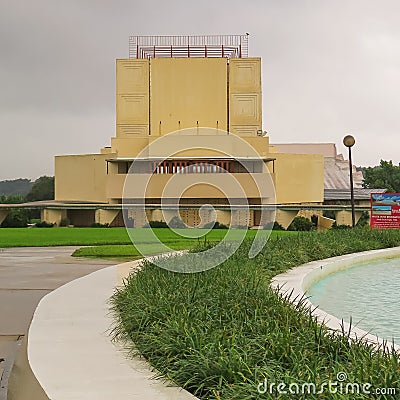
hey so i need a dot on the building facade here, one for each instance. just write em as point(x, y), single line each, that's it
point(188, 108)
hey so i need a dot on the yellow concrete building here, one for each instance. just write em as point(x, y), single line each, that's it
point(188, 108)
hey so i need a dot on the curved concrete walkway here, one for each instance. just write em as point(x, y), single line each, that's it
point(26, 275)
point(70, 350)
point(298, 280)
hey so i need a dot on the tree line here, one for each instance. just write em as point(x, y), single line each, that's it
point(15, 187)
point(41, 189)
point(384, 176)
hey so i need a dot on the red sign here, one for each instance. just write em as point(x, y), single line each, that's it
point(385, 210)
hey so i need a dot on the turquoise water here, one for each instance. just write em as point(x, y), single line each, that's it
point(369, 293)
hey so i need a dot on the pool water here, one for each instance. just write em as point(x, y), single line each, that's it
point(368, 293)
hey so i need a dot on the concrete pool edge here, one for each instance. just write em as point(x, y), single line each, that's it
point(298, 280)
point(70, 352)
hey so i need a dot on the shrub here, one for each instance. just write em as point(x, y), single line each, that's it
point(17, 218)
point(176, 223)
point(314, 220)
point(215, 225)
point(158, 224)
point(336, 226)
point(98, 225)
point(44, 224)
point(65, 222)
point(276, 226)
point(364, 219)
point(301, 224)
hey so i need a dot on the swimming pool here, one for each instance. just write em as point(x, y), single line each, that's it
point(368, 293)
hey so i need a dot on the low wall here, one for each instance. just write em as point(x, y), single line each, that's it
point(298, 280)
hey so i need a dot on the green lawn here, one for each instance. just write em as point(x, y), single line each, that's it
point(169, 238)
point(33, 237)
point(115, 242)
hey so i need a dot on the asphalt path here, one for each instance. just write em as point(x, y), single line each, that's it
point(26, 275)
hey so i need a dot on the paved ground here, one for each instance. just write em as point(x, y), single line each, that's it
point(26, 275)
point(72, 355)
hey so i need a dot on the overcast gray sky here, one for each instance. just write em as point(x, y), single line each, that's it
point(329, 68)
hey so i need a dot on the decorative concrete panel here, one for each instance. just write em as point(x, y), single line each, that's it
point(132, 129)
point(245, 109)
point(132, 109)
point(245, 75)
point(132, 76)
point(244, 130)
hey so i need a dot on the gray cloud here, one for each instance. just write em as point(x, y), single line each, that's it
point(329, 68)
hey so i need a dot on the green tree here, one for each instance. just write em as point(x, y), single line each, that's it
point(384, 176)
point(12, 199)
point(42, 189)
point(18, 217)
point(16, 186)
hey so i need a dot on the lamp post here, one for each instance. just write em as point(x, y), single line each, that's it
point(349, 142)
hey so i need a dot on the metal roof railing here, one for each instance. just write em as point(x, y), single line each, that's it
point(228, 46)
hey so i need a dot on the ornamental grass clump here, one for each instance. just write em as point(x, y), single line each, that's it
point(222, 332)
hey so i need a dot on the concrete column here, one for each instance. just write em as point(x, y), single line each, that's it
point(266, 217)
point(105, 216)
point(285, 217)
point(241, 218)
point(157, 215)
point(168, 215)
point(53, 216)
point(223, 217)
point(138, 217)
point(358, 215)
point(344, 217)
point(207, 215)
point(3, 215)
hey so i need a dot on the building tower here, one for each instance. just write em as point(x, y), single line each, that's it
point(203, 91)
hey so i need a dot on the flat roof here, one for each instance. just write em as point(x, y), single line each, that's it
point(199, 158)
point(58, 205)
point(344, 194)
